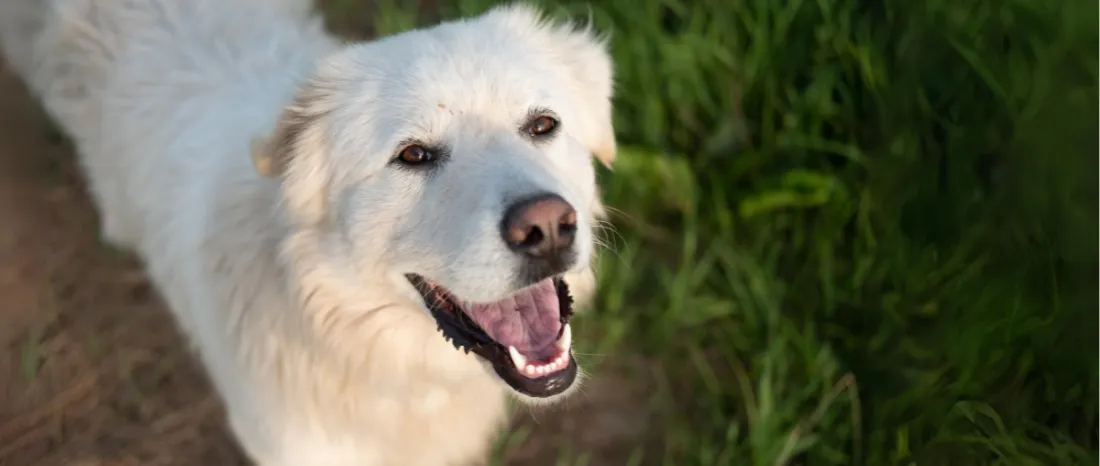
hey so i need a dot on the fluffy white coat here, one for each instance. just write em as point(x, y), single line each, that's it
point(291, 287)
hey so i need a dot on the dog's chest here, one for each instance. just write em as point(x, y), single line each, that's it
point(440, 425)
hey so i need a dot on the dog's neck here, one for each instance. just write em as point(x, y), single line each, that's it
point(324, 352)
point(338, 334)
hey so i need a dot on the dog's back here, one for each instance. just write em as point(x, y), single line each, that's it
point(64, 49)
point(104, 69)
point(61, 50)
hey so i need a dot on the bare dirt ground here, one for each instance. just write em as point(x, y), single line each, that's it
point(92, 370)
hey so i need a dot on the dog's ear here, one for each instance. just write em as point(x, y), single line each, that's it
point(271, 153)
point(589, 65)
point(299, 131)
point(295, 151)
point(583, 56)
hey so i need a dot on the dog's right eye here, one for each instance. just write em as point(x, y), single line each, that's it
point(415, 155)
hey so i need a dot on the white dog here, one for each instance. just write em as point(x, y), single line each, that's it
point(409, 257)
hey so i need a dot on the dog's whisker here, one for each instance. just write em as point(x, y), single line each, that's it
point(621, 213)
point(614, 251)
point(610, 230)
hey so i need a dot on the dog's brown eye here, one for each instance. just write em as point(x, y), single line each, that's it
point(541, 126)
point(415, 155)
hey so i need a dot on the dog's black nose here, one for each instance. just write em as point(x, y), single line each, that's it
point(541, 227)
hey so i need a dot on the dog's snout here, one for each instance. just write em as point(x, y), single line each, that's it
point(541, 227)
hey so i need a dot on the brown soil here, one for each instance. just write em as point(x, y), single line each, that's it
point(92, 370)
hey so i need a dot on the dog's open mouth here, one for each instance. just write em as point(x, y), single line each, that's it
point(526, 336)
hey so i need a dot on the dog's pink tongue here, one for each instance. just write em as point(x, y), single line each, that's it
point(528, 320)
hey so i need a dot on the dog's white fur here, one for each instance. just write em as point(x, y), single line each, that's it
point(291, 286)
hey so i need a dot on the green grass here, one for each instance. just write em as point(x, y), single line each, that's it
point(852, 232)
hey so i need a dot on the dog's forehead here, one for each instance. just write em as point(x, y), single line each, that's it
point(442, 82)
point(464, 81)
point(450, 89)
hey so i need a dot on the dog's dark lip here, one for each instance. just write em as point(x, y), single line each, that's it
point(456, 326)
point(466, 335)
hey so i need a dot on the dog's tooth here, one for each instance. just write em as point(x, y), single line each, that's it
point(518, 359)
point(530, 370)
point(566, 339)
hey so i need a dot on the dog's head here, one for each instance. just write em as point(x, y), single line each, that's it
point(457, 162)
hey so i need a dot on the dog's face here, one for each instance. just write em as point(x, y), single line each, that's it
point(457, 162)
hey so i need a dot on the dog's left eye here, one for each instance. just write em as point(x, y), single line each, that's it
point(416, 155)
point(541, 126)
